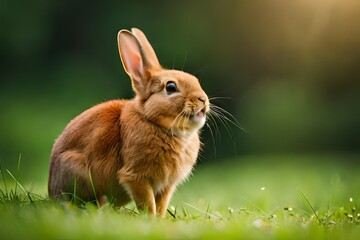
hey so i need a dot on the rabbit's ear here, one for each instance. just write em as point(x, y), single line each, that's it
point(137, 64)
point(130, 54)
point(149, 52)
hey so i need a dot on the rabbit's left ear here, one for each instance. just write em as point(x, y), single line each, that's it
point(138, 58)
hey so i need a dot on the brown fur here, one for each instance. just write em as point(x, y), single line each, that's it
point(138, 149)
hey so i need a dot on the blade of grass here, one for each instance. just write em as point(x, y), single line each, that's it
point(93, 188)
point(308, 202)
point(202, 211)
point(3, 178)
point(74, 197)
point(75, 182)
point(18, 171)
point(264, 214)
point(185, 212)
point(207, 210)
point(172, 214)
point(21, 186)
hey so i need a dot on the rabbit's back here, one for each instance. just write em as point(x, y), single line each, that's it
point(89, 145)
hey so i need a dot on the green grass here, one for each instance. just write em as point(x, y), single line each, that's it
point(259, 197)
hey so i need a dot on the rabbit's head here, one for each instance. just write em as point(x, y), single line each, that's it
point(171, 99)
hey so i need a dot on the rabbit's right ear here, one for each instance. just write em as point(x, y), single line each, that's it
point(137, 64)
point(151, 57)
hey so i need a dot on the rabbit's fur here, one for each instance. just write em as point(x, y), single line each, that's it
point(138, 149)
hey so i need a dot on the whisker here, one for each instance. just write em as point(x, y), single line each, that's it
point(185, 123)
point(178, 124)
point(221, 119)
point(225, 114)
point(185, 58)
point(181, 121)
point(201, 69)
point(172, 124)
point(217, 115)
point(174, 61)
point(215, 98)
point(214, 123)
point(228, 116)
point(223, 122)
point(212, 136)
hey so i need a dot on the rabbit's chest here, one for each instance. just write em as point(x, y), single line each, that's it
point(173, 165)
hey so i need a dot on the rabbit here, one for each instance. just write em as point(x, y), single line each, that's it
point(139, 149)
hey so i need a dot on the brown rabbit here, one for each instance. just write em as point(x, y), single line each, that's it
point(138, 149)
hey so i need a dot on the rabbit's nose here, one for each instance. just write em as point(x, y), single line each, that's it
point(202, 99)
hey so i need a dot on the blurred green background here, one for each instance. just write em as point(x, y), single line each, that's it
point(289, 70)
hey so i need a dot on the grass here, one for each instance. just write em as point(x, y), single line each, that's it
point(260, 197)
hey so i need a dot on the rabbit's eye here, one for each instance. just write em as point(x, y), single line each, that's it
point(171, 87)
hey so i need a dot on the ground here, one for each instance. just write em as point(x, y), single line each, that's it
point(253, 197)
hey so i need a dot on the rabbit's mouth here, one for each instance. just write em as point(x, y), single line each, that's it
point(189, 122)
point(198, 116)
